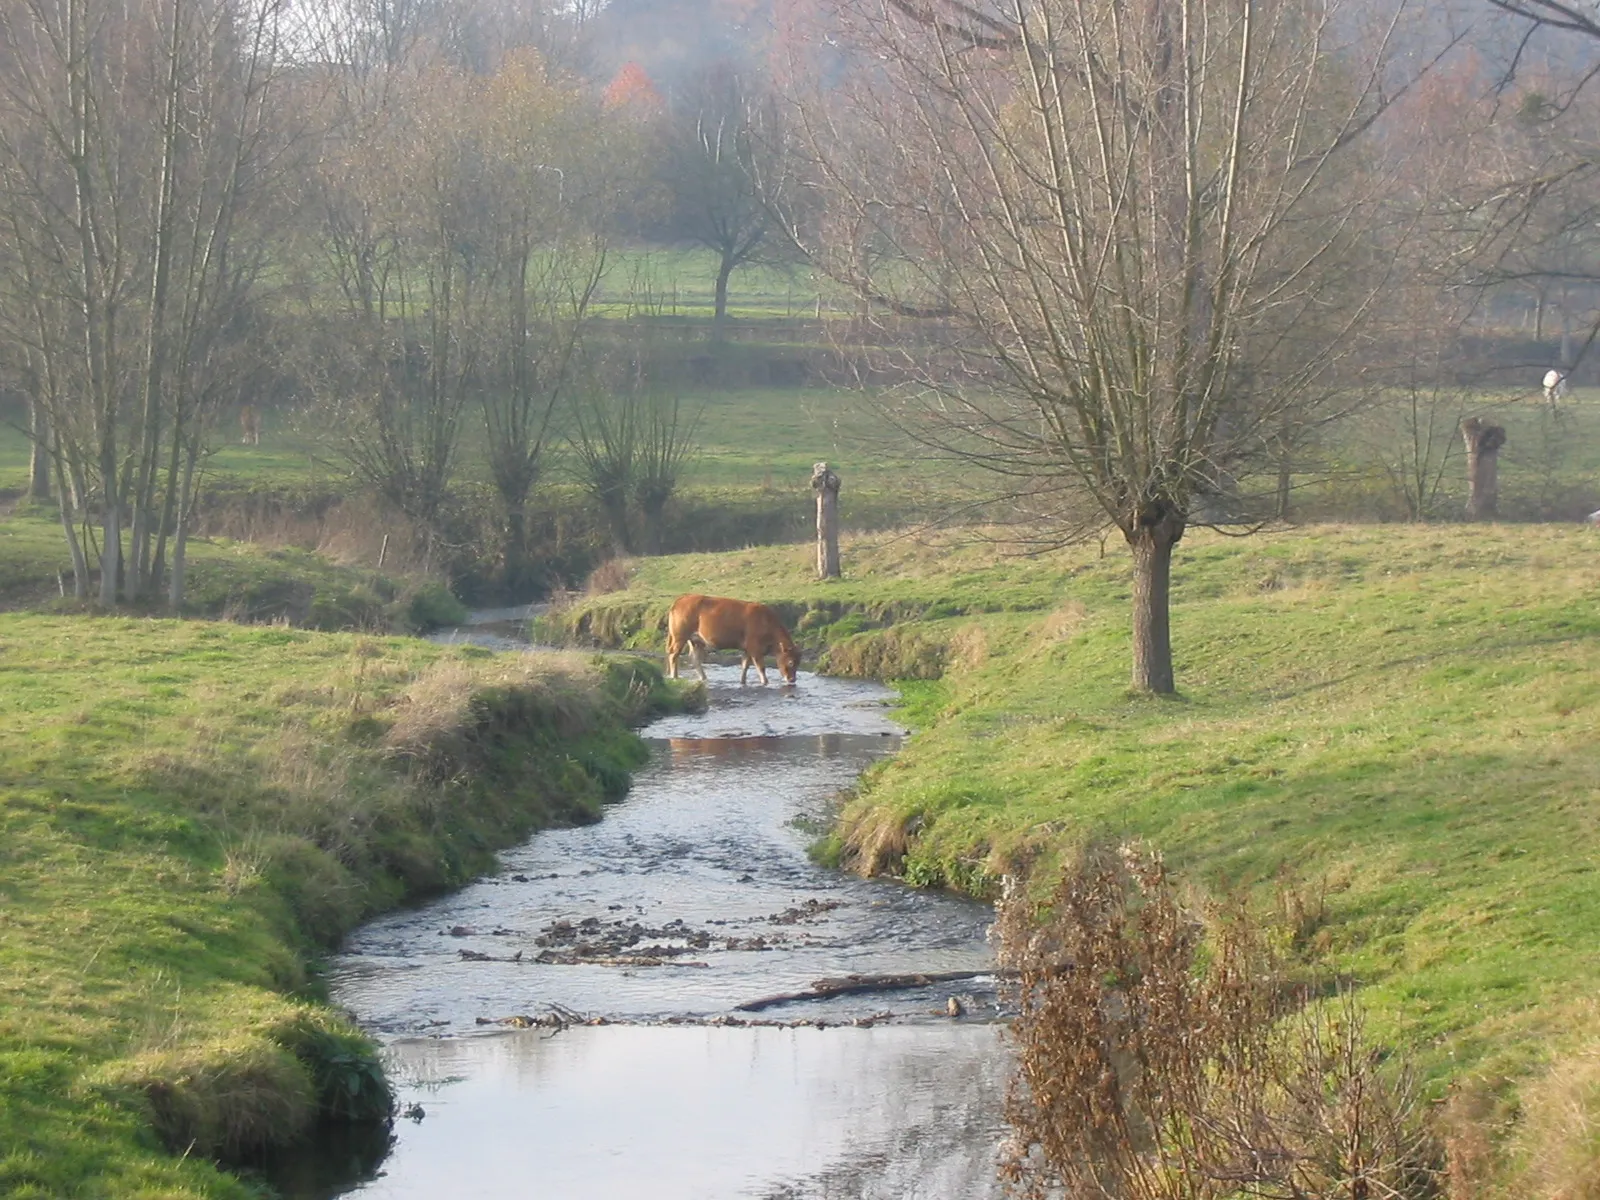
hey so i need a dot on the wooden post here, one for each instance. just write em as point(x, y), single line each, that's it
point(1483, 447)
point(826, 484)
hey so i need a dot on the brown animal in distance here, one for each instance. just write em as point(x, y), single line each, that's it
point(724, 624)
point(249, 425)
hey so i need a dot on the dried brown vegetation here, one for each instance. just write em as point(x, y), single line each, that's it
point(448, 718)
point(612, 575)
point(1166, 1056)
point(1559, 1137)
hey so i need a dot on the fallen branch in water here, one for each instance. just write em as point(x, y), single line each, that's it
point(823, 989)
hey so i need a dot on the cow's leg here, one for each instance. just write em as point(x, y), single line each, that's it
point(744, 669)
point(694, 656)
point(759, 662)
point(673, 650)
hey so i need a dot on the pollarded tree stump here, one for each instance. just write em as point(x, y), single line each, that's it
point(1483, 451)
point(826, 484)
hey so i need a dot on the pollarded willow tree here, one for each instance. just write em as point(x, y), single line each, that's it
point(1147, 227)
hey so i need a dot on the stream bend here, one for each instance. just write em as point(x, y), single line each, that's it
point(572, 1027)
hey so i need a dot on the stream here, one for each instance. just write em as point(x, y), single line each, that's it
point(570, 1027)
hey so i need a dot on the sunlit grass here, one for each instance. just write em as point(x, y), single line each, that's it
point(1400, 718)
point(189, 809)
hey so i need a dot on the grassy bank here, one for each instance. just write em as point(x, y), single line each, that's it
point(237, 581)
point(188, 813)
point(1397, 720)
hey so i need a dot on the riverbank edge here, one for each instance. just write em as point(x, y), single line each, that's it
point(468, 753)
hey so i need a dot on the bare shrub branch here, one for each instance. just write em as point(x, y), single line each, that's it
point(1162, 1056)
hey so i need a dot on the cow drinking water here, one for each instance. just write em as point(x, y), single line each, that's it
point(696, 622)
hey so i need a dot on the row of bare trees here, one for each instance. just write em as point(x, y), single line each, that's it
point(136, 147)
point(460, 231)
point(1152, 248)
point(400, 214)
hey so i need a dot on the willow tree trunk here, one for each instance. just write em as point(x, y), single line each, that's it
point(177, 579)
point(1152, 538)
point(39, 453)
point(719, 312)
point(826, 484)
point(1483, 453)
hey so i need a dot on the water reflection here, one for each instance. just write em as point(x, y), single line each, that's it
point(696, 1114)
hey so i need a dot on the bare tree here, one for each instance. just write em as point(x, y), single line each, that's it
point(1146, 229)
point(135, 143)
point(666, 446)
point(553, 178)
point(605, 441)
point(405, 233)
point(632, 440)
point(717, 136)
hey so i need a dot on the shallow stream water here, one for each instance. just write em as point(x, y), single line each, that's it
point(571, 1027)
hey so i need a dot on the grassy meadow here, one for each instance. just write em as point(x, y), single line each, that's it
point(1384, 728)
point(189, 812)
point(1391, 728)
point(681, 282)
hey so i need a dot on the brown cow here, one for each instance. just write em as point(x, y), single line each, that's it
point(723, 624)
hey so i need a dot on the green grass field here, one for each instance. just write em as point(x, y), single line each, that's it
point(681, 282)
point(1399, 719)
point(188, 812)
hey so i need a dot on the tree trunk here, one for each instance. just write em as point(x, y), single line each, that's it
point(39, 453)
point(517, 568)
point(169, 502)
point(111, 518)
point(180, 536)
point(69, 526)
point(1158, 530)
point(826, 484)
point(719, 318)
point(1483, 451)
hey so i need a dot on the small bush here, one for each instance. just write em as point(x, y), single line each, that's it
point(346, 1073)
point(610, 576)
point(429, 606)
point(1162, 1056)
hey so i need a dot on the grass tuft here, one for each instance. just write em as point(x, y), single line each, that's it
point(231, 1099)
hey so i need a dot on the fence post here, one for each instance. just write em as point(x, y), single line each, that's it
point(1483, 449)
point(826, 484)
